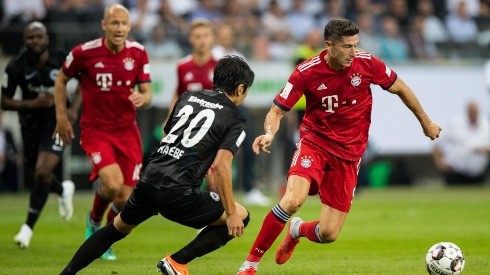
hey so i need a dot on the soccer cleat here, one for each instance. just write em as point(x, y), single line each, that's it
point(91, 227)
point(109, 255)
point(23, 238)
point(170, 267)
point(286, 248)
point(255, 197)
point(248, 271)
point(65, 201)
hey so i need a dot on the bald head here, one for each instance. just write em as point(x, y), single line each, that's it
point(36, 25)
point(110, 9)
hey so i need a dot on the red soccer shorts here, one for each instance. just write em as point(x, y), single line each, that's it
point(105, 147)
point(333, 178)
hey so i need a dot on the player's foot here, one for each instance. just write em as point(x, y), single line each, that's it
point(286, 248)
point(248, 271)
point(91, 227)
point(109, 255)
point(65, 201)
point(170, 267)
point(23, 238)
point(255, 197)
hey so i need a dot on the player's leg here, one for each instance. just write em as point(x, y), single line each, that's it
point(136, 211)
point(273, 224)
point(42, 177)
point(209, 214)
point(336, 193)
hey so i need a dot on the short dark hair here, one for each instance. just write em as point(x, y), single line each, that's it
point(230, 72)
point(336, 28)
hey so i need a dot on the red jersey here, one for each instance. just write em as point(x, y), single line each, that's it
point(107, 80)
point(338, 103)
point(192, 77)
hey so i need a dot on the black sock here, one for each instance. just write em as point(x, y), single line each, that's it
point(37, 200)
point(93, 248)
point(55, 186)
point(208, 240)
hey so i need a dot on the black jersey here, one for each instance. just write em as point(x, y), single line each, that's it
point(201, 123)
point(33, 82)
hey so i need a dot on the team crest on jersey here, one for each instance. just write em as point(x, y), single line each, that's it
point(128, 64)
point(214, 196)
point(306, 161)
point(53, 74)
point(96, 158)
point(355, 79)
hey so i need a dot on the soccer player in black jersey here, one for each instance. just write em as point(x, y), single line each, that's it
point(34, 71)
point(205, 130)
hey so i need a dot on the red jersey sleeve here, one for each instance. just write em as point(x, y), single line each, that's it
point(292, 91)
point(144, 69)
point(73, 62)
point(382, 74)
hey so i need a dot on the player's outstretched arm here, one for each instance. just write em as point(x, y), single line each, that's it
point(431, 129)
point(271, 126)
point(63, 125)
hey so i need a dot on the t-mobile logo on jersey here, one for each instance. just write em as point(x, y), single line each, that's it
point(329, 102)
point(104, 81)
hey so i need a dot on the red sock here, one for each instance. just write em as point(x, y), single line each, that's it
point(112, 213)
point(271, 229)
point(99, 207)
point(309, 230)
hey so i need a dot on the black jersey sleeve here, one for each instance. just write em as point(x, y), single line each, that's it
point(234, 138)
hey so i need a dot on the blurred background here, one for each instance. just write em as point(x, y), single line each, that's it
point(439, 47)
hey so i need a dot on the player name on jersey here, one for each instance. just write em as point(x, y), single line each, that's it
point(171, 151)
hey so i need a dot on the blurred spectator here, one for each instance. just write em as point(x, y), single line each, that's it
point(398, 9)
point(369, 41)
point(260, 48)
point(483, 23)
point(434, 28)
point(357, 7)
point(71, 22)
point(300, 21)
point(281, 46)
point(144, 17)
point(462, 153)
point(392, 44)
point(274, 18)
point(225, 43)
point(472, 6)
point(460, 25)
point(160, 46)
point(175, 24)
point(419, 48)
point(16, 14)
point(207, 9)
point(332, 8)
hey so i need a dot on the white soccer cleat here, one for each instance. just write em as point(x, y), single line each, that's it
point(255, 197)
point(65, 201)
point(23, 238)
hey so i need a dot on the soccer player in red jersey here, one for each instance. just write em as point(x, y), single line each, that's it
point(333, 137)
point(195, 71)
point(108, 68)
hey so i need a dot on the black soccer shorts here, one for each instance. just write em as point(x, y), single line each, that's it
point(190, 207)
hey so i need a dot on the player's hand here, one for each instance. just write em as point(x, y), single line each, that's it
point(261, 143)
point(63, 132)
point(432, 130)
point(137, 99)
point(235, 225)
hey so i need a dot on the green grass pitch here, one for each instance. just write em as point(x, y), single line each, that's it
point(388, 231)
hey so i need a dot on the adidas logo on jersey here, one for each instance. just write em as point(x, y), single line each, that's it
point(321, 87)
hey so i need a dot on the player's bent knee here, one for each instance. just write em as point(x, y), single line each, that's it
point(247, 219)
point(328, 237)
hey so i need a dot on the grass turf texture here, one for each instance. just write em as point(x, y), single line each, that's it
point(387, 232)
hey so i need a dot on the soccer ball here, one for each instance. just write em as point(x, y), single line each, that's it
point(444, 258)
